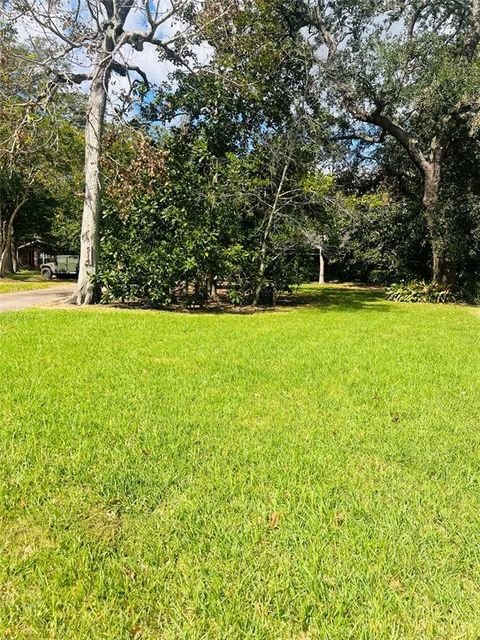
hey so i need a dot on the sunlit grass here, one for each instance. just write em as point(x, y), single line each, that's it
point(310, 473)
point(25, 281)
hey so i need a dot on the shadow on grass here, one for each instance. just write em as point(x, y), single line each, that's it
point(323, 297)
point(339, 297)
point(26, 276)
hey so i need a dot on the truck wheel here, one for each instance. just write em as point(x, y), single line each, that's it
point(46, 273)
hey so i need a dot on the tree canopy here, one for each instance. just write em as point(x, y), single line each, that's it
point(352, 127)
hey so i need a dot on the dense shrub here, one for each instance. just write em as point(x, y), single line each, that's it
point(377, 240)
point(180, 224)
point(421, 291)
point(471, 293)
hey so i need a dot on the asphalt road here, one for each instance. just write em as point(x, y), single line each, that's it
point(36, 297)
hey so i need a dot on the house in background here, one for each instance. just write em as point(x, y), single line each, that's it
point(31, 254)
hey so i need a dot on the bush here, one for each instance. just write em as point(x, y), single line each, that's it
point(421, 291)
point(471, 292)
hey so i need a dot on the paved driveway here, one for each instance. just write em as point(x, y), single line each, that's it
point(25, 299)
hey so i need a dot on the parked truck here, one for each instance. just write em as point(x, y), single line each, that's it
point(61, 267)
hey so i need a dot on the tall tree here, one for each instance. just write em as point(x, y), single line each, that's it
point(408, 70)
point(96, 35)
point(29, 143)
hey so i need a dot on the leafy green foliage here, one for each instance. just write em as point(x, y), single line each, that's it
point(228, 206)
point(409, 72)
point(188, 204)
point(198, 225)
point(41, 155)
point(376, 238)
point(420, 291)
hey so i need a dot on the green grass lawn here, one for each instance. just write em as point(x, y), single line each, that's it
point(312, 473)
point(24, 281)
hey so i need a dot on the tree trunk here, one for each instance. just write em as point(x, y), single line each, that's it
point(443, 272)
point(3, 231)
point(14, 257)
point(442, 269)
point(430, 168)
point(266, 236)
point(3, 261)
point(7, 258)
point(6, 240)
point(321, 271)
point(88, 289)
point(212, 289)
